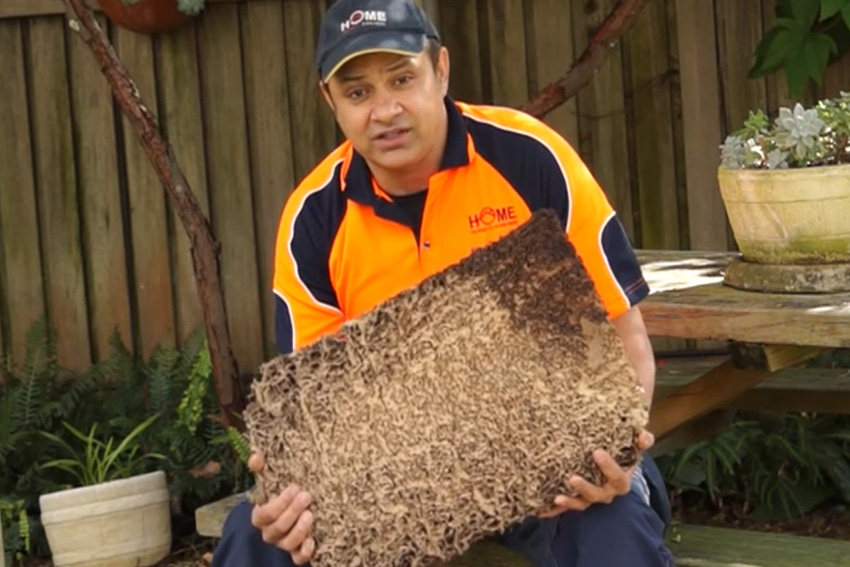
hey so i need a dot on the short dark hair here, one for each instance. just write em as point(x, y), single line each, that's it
point(433, 48)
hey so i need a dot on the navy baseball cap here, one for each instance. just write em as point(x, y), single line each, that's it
point(351, 28)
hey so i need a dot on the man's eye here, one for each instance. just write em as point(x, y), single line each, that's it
point(404, 79)
point(356, 94)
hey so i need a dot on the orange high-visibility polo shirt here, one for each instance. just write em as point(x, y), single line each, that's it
point(344, 246)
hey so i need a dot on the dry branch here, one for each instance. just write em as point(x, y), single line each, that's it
point(618, 22)
point(205, 249)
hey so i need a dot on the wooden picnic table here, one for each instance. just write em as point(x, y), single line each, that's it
point(688, 300)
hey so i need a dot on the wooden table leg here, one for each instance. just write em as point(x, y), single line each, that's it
point(711, 424)
point(717, 387)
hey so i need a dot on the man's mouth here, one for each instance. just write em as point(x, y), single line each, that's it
point(392, 134)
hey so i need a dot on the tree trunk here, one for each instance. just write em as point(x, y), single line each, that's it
point(619, 21)
point(205, 249)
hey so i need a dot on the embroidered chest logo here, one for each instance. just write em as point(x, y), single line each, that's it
point(490, 218)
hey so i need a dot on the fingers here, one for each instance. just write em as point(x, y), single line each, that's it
point(565, 503)
point(616, 479)
point(256, 463)
point(645, 440)
point(286, 521)
point(280, 514)
point(298, 535)
point(305, 553)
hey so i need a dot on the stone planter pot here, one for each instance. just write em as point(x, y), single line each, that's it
point(147, 16)
point(789, 216)
point(123, 523)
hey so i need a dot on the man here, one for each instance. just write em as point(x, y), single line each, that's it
point(420, 182)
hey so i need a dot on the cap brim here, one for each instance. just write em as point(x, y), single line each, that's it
point(376, 41)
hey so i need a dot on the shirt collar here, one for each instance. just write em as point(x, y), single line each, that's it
point(358, 178)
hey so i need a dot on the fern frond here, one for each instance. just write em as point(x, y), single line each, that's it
point(120, 360)
point(191, 407)
point(40, 349)
point(24, 527)
point(191, 347)
point(79, 391)
point(239, 444)
point(159, 392)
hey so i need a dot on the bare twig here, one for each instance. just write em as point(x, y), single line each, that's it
point(618, 22)
point(205, 249)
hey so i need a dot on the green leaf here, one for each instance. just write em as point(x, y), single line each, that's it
point(786, 43)
point(775, 48)
point(829, 8)
point(818, 47)
point(689, 474)
point(130, 438)
point(805, 12)
point(839, 436)
point(804, 498)
point(796, 73)
point(830, 458)
point(845, 13)
point(61, 442)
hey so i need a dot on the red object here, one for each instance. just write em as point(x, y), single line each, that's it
point(147, 16)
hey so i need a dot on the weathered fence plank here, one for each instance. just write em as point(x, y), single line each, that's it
point(230, 179)
point(100, 199)
point(58, 198)
point(313, 128)
point(602, 118)
point(461, 35)
point(269, 129)
point(505, 71)
point(152, 274)
point(549, 41)
point(23, 303)
point(739, 28)
point(702, 123)
point(178, 79)
point(649, 90)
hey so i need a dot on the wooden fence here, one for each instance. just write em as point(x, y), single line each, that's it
point(88, 238)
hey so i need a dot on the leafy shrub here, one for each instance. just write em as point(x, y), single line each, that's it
point(776, 466)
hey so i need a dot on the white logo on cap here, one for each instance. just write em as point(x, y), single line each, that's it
point(374, 17)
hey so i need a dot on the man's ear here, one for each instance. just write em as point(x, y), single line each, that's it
point(326, 94)
point(444, 69)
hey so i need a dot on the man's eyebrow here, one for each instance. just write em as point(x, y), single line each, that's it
point(403, 62)
point(350, 78)
point(353, 77)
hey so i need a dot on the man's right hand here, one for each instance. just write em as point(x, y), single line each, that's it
point(285, 520)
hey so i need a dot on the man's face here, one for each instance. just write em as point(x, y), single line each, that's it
point(391, 107)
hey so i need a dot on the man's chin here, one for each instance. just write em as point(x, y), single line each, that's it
point(396, 159)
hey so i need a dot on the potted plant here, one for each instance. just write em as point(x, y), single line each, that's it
point(151, 16)
point(117, 515)
point(786, 185)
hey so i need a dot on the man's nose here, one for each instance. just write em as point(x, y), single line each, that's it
point(386, 107)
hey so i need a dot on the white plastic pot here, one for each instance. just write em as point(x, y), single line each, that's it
point(122, 523)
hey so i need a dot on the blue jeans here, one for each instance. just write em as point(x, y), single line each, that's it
point(629, 532)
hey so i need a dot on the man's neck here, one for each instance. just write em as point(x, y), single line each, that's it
point(405, 183)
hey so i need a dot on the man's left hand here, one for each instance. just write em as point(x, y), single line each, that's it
point(618, 482)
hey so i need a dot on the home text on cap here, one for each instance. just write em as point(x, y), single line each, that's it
point(358, 17)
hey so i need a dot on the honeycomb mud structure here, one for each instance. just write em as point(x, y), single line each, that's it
point(453, 410)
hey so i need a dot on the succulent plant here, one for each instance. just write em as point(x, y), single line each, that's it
point(798, 137)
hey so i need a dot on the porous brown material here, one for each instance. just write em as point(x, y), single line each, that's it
point(452, 410)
